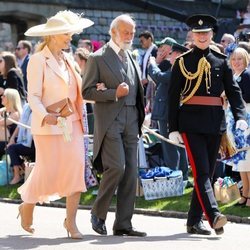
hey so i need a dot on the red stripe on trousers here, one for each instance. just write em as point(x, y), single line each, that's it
point(194, 169)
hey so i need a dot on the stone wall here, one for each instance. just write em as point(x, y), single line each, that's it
point(159, 25)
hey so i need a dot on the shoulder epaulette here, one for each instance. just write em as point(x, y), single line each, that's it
point(184, 53)
point(218, 53)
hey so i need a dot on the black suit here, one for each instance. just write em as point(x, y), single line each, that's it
point(244, 80)
point(202, 125)
point(24, 70)
point(14, 80)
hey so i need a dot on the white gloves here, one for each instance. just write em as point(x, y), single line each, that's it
point(175, 136)
point(241, 124)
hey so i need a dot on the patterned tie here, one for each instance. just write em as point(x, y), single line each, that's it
point(124, 59)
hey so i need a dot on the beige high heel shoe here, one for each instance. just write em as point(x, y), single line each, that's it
point(73, 235)
point(26, 223)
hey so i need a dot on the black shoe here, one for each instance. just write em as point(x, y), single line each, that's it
point(98, 225)
point(189, 184)
point(219, 231)
point(198, 228)
point(219, 221)
point(129, 232)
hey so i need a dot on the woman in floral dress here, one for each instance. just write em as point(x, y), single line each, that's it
point(239, 60)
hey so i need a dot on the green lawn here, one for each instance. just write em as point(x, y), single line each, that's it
point(180, 203)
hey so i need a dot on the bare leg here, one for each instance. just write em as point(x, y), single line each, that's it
point(245, 187)
point(26, 213)
point(17, 175)
point(72, 203)
point(248, 188)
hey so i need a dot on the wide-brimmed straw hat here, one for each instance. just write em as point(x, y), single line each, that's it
point(63, 22)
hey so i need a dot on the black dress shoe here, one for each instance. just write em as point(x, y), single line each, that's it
point(129, 232)
point(189, 184)
point(98, 225)
point(198, 228)
point(219, 221)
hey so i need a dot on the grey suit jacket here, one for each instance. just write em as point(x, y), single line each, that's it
point(103, 66)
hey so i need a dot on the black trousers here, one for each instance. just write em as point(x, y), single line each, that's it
point(17, 150)
point(202, 150)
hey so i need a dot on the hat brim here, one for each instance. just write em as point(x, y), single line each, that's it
point(201, 30)
point(43, 30)
point(158, 44)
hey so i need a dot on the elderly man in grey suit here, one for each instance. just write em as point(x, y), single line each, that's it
point(112, 80)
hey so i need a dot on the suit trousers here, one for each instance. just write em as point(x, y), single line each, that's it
point(202, 150)
point(174, 157)
point(119, 159)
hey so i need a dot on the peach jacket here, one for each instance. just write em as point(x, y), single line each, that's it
point(46, 86)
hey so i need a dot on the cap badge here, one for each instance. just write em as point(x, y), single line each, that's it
point(200, 22)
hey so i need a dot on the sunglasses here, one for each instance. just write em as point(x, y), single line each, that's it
point(18, 48)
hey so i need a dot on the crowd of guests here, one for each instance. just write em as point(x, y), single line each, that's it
point(156, 73)
point(119, 110)
point(13, 68)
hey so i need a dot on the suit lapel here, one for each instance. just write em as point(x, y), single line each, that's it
point(72, 67)
point(52, 63)
point(111, 59)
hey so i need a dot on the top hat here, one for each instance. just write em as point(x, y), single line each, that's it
point(201, 23)
point(167, 40)
point(63, 22)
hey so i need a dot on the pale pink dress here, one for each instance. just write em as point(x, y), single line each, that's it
point(59, 167)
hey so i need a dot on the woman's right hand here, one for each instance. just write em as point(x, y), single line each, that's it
point(51, 119)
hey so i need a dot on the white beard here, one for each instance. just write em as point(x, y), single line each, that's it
point(125, 45)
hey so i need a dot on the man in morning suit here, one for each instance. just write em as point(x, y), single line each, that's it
point(112, 80)
point(23, 51)
point(196, 116)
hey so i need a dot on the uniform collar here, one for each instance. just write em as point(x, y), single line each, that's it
point(201, 51)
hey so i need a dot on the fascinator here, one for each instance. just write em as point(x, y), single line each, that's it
point(230, 48)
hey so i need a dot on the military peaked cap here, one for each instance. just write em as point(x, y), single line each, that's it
point(201, 23)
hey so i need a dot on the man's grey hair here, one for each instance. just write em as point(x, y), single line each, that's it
point(122, 18)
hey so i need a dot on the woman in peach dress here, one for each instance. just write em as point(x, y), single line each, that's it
point(59, 166)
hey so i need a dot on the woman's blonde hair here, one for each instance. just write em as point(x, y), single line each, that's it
point(240, 52)
point(13, 100)
point(42, 44)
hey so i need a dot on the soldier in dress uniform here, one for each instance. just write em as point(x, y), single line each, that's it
point(196, 117)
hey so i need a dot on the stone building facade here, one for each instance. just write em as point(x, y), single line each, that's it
point(11, 31)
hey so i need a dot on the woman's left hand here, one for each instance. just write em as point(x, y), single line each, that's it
point(51, 119)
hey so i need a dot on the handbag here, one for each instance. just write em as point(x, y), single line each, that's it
point(227, 190)
point(227, 147)
point(63, 107)
point(3, 173)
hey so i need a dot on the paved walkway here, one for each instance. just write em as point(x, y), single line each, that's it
point(163, 233)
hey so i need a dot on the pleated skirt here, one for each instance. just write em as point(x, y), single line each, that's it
point(59, 168)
